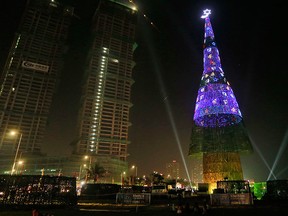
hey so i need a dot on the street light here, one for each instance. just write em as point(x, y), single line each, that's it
point(13, 133)
point(89, 167)
point(80, 171)
point(135, 167)
point(90, 160)
point(20, 165)
point(122, 178)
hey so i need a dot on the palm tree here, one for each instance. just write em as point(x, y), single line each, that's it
point(95, 172)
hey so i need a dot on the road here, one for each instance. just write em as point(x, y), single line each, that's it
point(149, 210)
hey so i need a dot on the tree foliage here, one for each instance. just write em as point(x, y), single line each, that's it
point(157, 178)
point(95, 172)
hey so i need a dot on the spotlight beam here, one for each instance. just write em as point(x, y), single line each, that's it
point(262, 157)
point(279, 154)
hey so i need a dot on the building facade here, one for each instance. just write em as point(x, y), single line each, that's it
point(106, 97)
point(30, 77)
point(173, 170)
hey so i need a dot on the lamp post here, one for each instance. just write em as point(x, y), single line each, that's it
point(17, 150)
point(122, 175)
point(80, 171)
point(135, 167)
point(89, 167)
point(90, 161)
point(20, 166)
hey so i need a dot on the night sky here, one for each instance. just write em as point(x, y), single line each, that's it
point(169, 65)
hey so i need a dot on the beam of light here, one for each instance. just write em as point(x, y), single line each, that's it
point(282, 171)
point(145, 17)
point(170, 115)
point(169, 112)
point(172, 122)
point(167, 105)
point(262, 157)
point(279, 154)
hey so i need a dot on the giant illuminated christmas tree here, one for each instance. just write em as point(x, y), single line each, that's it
point(218, 132)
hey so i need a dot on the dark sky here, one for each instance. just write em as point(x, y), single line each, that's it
point(168, 71)
point(252, 45)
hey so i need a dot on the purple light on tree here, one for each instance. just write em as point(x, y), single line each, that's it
point(216, 105)
point(218, 134)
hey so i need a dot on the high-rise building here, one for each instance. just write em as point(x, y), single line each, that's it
point(30, 76)
point(218, 132)
point(173, 170)
point(106, 98)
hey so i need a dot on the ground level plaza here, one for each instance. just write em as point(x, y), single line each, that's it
point(151, 210)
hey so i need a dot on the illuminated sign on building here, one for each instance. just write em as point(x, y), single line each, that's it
point(35, 66)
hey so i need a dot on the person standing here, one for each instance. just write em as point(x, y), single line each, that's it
point(35, 212)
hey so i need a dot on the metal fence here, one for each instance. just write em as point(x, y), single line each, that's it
point(37, 190)
point(133, 198)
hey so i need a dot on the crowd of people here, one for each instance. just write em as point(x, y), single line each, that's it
point(36, 212)
point(186, 208)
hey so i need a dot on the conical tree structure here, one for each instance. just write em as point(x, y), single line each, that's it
point(218, 131)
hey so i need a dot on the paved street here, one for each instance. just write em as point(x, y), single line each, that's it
point(151, 210)
point(159, 207)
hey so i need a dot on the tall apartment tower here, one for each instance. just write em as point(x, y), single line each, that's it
point(106, 98)
point(30, 76)
point(173, 169)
